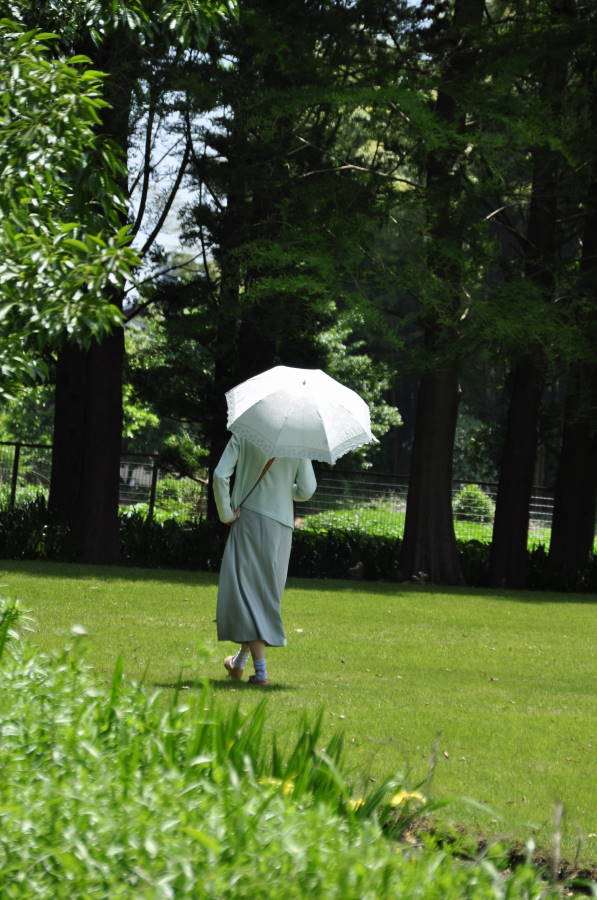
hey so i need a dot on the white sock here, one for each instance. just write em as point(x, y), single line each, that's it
point(240, 660)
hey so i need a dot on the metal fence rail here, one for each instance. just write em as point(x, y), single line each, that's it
point(362, 501)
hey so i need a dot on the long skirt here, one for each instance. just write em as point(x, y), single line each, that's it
point(252, 578)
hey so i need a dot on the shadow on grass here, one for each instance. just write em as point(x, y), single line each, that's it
point(74, 571)
point(222, 684)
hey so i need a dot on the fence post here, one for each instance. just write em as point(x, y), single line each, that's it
point(15, 474)
point(153, 489)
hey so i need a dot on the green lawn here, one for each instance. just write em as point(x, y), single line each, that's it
point(506, 680)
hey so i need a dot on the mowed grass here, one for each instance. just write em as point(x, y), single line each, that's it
point(504, 684)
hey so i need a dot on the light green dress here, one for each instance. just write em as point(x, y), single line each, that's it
point(255, 562)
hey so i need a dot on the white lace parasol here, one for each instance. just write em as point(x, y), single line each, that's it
point(299, 413)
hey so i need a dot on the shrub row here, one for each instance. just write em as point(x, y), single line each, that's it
point(25, 533)
point(342, 553)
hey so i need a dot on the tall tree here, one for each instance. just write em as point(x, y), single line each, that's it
point(429, 543)
point(84, 485)
point(280, 206)
point(508, 563)
point(575, 500)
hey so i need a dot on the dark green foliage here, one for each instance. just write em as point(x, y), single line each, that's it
point(334, 553)
point(474, 560)
point(189, 546)
point(542, 574)
point(281, 213)
point(26, 533)
point(23, 531)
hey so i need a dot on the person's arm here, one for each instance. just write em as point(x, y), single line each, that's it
point(221, 481)
point(305, 484)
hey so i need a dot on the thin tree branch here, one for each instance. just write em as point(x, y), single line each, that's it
point(501, 214)
point(157, 164)
point(214, 196)
point(352, 166)
point(168, 205)
point(139, 309)
point(156, 275)
point(156, 131)
point(168, 152)
point(146, 163)
point(210, 283)
point(504, 220)
point(199, 164)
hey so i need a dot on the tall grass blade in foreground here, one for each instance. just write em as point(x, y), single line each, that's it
point(8, 618)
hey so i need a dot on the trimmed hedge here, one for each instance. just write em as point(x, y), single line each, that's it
point(26, 533)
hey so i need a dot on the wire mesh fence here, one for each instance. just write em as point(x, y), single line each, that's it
point(376, 503)
point(146, 489)
point(6, 463)
point(359, 501)
point(25, 471)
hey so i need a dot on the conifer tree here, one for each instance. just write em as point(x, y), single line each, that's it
point(573, 526)
point(429, 543)
point(541, 264)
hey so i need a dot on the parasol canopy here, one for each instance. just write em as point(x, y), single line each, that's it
point(299, 413)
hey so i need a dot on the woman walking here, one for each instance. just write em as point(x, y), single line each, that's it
point(254, 566)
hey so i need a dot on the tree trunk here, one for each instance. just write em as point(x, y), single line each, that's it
point(429, 543)
point(86, 449)
point(509, 556)
point(85, 478)
point(573, 526)
point(69, 430)
point(511, 523)
point(575, 500)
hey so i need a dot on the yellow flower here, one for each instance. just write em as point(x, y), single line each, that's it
point(270, 782)
point(287, 786)
point(404, 797)
point(355, 803)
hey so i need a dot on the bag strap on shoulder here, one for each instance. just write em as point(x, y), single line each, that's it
point(263, 472)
